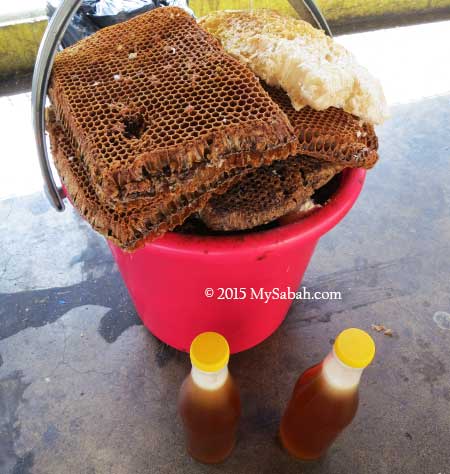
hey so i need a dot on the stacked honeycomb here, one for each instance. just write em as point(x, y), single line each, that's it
point(328, 141)
point(158, 116)
point(152, 122)
point(128, 225)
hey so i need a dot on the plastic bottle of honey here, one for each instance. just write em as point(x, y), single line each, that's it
point(209, 402)
point(325, 398)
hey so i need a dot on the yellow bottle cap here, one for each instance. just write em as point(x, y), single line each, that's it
point(355, 348)
point(209, 352)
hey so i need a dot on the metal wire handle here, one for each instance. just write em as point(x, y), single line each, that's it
point(44, 62)
point(308, 10)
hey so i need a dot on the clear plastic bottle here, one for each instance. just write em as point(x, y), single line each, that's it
point(209, 402)
point(325, 397)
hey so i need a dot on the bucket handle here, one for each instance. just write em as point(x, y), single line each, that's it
point(44, 62)
point(308, 10)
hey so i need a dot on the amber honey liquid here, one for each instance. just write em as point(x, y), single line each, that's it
point(210, 419)
point(316, 414)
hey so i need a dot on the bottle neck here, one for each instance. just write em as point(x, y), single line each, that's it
point(209, 380)
point(338, 375)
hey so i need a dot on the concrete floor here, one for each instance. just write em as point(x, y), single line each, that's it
point(84, 387)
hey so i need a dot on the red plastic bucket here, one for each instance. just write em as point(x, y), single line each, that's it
point(168, 279)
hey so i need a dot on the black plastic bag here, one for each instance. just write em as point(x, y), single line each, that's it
point(109, 12)
point(80, 26)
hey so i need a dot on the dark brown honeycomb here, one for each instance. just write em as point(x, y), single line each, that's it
point(267, 193)
point(332, 134)
point(128, 225)
point(155, 107)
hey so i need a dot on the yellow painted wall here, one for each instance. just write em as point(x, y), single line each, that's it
point(201, 7)
point(19, 43)
point(340, 9)
point(333, 10)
